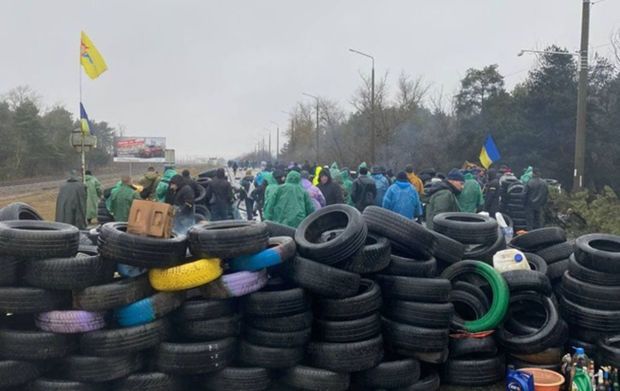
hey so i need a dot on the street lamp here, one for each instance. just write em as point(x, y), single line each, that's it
point(277, 139)
point(317, 123)
point(522, 52)
point(372, 103)
point(582, 95)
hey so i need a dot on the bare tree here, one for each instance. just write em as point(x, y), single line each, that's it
point(411, 92)
point(19, 95)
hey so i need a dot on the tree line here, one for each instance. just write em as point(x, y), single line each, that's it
point(36, 142)
point(532, 124)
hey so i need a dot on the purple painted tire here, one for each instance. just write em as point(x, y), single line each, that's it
point(70, 322)
point(235, 285)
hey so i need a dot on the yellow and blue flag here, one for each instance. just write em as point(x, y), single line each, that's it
point(90, 58)
point(84, 121)
point(489, 152)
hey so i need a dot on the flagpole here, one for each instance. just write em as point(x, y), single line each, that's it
point(83, 154)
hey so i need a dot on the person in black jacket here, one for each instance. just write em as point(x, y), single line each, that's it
point(333, 192)
point(181, 196)
point(364, 190)
point(536, 194)
point(220, 197)
point(492, 191)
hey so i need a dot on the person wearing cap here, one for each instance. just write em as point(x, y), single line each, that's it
point(492, 192)
point(71, 202)
point(443, 196)
point(403, 198)
point(220, 197)
point(381, 184)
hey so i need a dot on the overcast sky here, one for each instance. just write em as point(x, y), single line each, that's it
point(210, 76)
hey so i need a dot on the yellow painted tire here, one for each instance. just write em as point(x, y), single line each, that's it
point(186, 276)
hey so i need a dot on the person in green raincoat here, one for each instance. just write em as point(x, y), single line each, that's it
point(290, 203)
point(271, 185)
point(94, 192)
point(527, 175)
point(121, 198)
point(347, 185)
point(471, 199)
point(162, 186)
point(71, 202)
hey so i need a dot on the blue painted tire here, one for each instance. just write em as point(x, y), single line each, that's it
point(280, 250)
point(147, 310)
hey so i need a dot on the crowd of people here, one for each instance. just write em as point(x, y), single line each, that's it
point(288, 194)
point(418, 197)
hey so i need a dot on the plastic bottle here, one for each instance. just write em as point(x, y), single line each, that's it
point(580, 366)
point(581, 380)
point(506, 230)
point(510, 259)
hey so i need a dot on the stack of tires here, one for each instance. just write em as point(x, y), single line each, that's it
point(533, 333)
point(512, 203)
point(335, 249)
point(479, 234)
point(589, 292)
point(480, 296)
point(550, 244)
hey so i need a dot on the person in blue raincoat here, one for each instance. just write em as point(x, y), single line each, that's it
point(402, 198)
point(381, 183)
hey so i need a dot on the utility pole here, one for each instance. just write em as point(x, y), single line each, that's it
point(270, 155)
point(278, 143)
point(582, 95)
point(317, 125)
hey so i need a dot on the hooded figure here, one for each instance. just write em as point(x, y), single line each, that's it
point(381, 183)
point(220, 197)
point(402, 198)
point(162, 187)
point(527, 175)
point(347, 185)
point(71, 202)
point(415, 180)
point(121, 198)
point(331, 191)
point(470, 199)
point(94, 192)
point(290, 203)
point(317, 198)
point(443, 197)
point(271, 185)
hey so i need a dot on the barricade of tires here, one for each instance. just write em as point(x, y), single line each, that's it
point(589, 292)
point(346, 301)
point(513, 203)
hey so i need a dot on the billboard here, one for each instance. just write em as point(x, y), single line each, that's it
point(140, 149)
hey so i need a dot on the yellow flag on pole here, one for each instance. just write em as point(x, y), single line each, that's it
point(90, 58)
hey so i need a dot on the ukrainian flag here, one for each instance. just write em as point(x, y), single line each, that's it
point(84, 122)
point(489, 152)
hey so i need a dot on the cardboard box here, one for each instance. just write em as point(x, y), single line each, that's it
point(148, 218)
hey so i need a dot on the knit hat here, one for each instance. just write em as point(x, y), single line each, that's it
point(402, 176)
point(456, 175)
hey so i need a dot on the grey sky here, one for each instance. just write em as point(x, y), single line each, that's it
point(211, 76)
